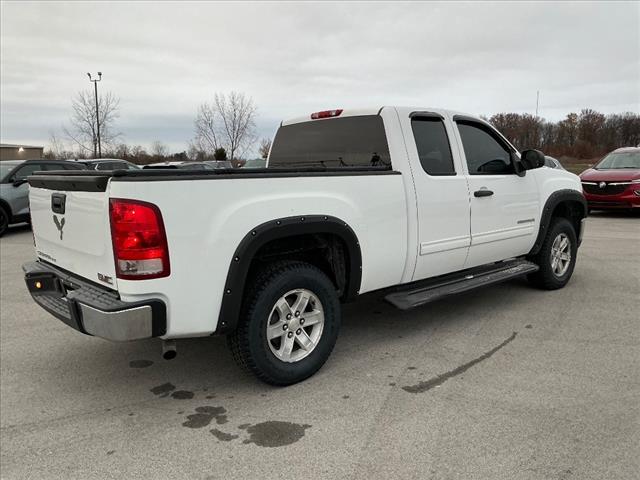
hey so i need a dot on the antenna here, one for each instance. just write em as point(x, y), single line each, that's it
point(537, 101)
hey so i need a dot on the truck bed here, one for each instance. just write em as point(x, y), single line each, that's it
point(206, 222)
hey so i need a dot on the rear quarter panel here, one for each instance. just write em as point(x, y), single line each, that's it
point(206, 219)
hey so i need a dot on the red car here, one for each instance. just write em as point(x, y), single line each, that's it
point(614, 183)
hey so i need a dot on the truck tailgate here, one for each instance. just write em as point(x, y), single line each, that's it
point(71, 230)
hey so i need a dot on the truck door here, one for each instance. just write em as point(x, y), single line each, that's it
point(442, 196)
point(504, 206)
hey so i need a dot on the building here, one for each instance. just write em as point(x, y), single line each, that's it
point(19, 152)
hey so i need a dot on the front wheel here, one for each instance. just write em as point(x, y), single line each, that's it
point(557, 256)
point(288, 324)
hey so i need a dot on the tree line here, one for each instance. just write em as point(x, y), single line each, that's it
point(225, 129)
point(585, 135)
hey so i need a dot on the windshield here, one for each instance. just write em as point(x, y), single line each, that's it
point(5, 168)
point(614, 161)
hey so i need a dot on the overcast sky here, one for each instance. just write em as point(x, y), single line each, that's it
point(163, 59)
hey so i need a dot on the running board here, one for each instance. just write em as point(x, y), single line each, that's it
point(416, 296)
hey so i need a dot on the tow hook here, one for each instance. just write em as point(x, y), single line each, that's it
point(169, 349)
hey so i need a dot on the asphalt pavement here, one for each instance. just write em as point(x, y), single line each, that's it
point(507, 382)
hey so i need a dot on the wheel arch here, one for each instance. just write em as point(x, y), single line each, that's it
point(282, 229)
point(4, 204)
point(569, 204)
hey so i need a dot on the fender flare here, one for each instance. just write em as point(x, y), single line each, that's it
point(273, 230)
point(555, 199)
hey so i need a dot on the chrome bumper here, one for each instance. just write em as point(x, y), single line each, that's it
point(91, 309)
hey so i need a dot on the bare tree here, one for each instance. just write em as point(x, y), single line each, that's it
point(159, 149)
point(228, 122)
point(56, 149)
point(265, 147)
point(82, 130)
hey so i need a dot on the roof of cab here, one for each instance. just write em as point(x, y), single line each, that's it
point(627, 150)
point(355, 112)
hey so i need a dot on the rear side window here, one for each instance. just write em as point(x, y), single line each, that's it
point(110, 166)
point(28, 169)
point(485, 154)
point(433, 146)
point(335, 142)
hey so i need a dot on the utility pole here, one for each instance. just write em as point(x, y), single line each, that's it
point(95, 90)
point(537, 102)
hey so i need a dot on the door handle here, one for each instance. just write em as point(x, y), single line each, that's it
point(482, 193)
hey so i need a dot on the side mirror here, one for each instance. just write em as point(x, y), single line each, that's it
point(19, 181)
point(531, 159)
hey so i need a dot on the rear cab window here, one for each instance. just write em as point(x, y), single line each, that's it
point(358, 141)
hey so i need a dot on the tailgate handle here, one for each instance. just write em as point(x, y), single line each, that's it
point(58, 201)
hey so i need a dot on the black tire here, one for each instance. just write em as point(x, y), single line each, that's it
point(4, 220)
point(546, 278)
point(248, 343)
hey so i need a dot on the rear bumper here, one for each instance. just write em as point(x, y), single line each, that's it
point(92, 309)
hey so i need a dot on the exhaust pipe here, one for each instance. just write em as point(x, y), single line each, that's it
point(169, 349)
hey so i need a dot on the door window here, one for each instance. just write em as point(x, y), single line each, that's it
point(27, 170)
point(486, 155)
point(433, 146)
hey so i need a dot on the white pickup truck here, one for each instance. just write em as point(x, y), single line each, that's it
point(418, 203)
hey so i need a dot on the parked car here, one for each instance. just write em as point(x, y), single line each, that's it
point(110, 164)
point(415, 203)
point(614, 183)
point(219, 164)
point(552, 163)
point(14, 190)
point(180, 165)
point(255, 163)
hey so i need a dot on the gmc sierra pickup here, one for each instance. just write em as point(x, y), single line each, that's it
point(418, 203)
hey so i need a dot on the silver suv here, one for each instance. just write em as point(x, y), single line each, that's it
point(14, 189)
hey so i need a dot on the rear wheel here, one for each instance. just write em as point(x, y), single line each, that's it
point(4, 220)
point(289, 323)
point(557, 256)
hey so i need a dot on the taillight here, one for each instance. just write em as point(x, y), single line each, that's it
point(326, 114)
point(139, 240)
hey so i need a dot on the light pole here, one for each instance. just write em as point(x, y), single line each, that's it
point(95, 89)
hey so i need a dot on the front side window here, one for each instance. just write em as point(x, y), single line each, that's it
point(336, 142)
point(485, 154)
point(433, 145)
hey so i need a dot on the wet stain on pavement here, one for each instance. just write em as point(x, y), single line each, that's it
point(222, 436)
point(204, 416)
point(411, 368)
point(182, 395)
point(140, 363)
point(392, 384)
point(275, 434)
point(438, 380)
point(163, 390)
point(345, 396)
point(244, 426)
point(528, 326)
point(111, 452)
